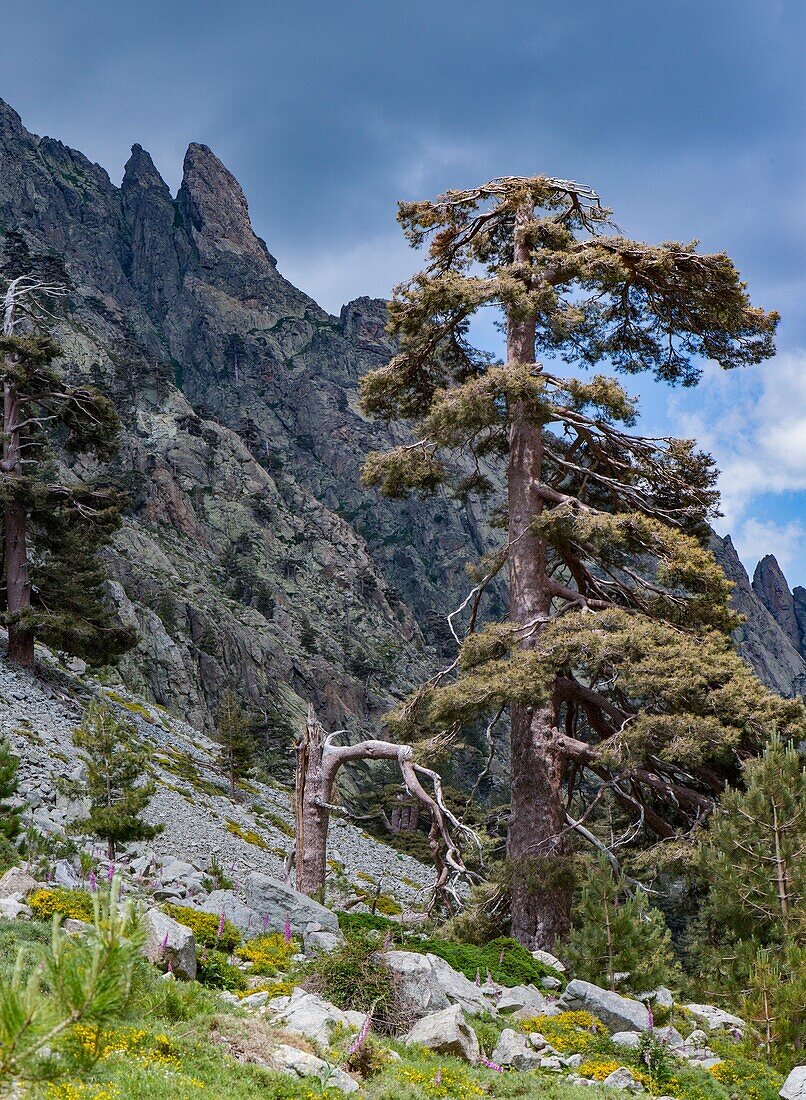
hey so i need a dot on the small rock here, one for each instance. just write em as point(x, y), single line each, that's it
point(298, 1063)
point(553, 1061)
point(551, 983)
point(514, 1049)
point(312, 1016)
point(321, 943)
point(548, 960)
point(446, 1032)
point(525, 1000)
point(12, 909)
point(622, 1080)
point(716, 1019)
point(629, 1039)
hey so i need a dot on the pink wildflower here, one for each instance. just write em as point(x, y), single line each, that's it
point(110, 872)
point(93, 881)
point(361, 1037)
point(478, 976)
point(287, 932)
point(220, 931)
point(438, 1077)
point(491, 1065)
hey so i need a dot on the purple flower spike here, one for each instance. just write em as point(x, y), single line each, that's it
point(220, 931)
point(438, 1077)
point(494, 1066)
point(93, 881)
point(651, 1018)
point(265, 922)
point(170, 967)
point(110, 872)
point(478, 976)
point(361, 1037)
point(287, 932)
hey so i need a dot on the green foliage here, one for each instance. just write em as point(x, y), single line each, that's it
point(214, 969)
point(750, 941)
point(9, 817)
point(615, 931)
point(354, 977)
point(370, 922)
point(571, 1032)
point(205, 927)
point(508, 962)
point(89, 979)
point(235, 738)
point(115, 766)
point(64, 522)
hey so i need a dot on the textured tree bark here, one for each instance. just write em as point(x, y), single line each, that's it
point(313, 788)
point(540, 910)
point(18, 582)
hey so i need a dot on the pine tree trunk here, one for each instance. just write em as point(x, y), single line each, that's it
point(18, 582)
point(540, 903)
point(312, 795)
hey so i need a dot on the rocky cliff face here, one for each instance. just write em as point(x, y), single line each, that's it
point(765, 639)
point(251, 554)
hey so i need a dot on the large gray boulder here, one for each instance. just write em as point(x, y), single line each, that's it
point(275, 901)
point(623, 1081)
point(427, 984)
point(313, 1017)
point(244, 918)
point(12, 909)
point(169, 944)
point(16, 883)
point(515, 1050)
point(794, 1087)
point(298, 1063)
point(617, 1013)
point(446, 1032)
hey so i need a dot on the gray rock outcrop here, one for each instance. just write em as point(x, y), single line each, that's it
point(794, 1088)
point(275, 902)
point(169, 944)
point(446, 1032)
point(617, 1013)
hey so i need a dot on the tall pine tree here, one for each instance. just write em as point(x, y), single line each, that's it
point(615, 659)
point(236, 740)
point(55, 523)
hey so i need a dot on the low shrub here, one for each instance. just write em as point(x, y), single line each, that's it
point(355, 977)
point(507, 961)
point(205, 927)
point(215, 970)
point(371, 922)
point(572, 1033)
point(76, 904)
point(747, 1077)
point(268, 953)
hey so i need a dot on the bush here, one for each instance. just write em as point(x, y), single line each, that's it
point(205, 927)
point(371, 922)
point(355, 977)
point(76, 904)
point(268, 953)
point(572, 1033)
point(508, 962)
point(215, 970)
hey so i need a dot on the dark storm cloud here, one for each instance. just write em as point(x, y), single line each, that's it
point(687, 115)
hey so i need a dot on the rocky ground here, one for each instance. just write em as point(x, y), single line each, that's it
point(201, 823)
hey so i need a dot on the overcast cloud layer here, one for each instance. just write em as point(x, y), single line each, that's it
point(689, 117)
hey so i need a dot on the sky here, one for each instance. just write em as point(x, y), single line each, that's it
point(688, 117)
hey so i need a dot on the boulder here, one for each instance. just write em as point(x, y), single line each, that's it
point(428, 984)
point(515, 1050)
point(548, 960)
point(312, 1016)
point(617, 1013)
point(716, 1019)
point(629, 1039)
point(227, 902)
point(794, 1087)
point(658, 998)
point(298, 1063)
point(446, 1032)
point(65, 874)
point(276, 902)
point(16, 882)
point(321, 943)
point(12, 909)
point(524, 1001)
point(169, 943)
point(622, 1080)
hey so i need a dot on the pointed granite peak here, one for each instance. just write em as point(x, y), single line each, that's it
point(214, 205)
point(770, 585)
point(141, 172)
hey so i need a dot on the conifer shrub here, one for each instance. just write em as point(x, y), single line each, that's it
point(206, 927)
point(508, 962)
point(616, 932)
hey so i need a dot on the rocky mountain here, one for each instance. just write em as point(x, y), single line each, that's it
point(250, 553)
point(766, 639)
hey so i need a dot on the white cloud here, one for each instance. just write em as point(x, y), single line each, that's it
point(754, 538)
